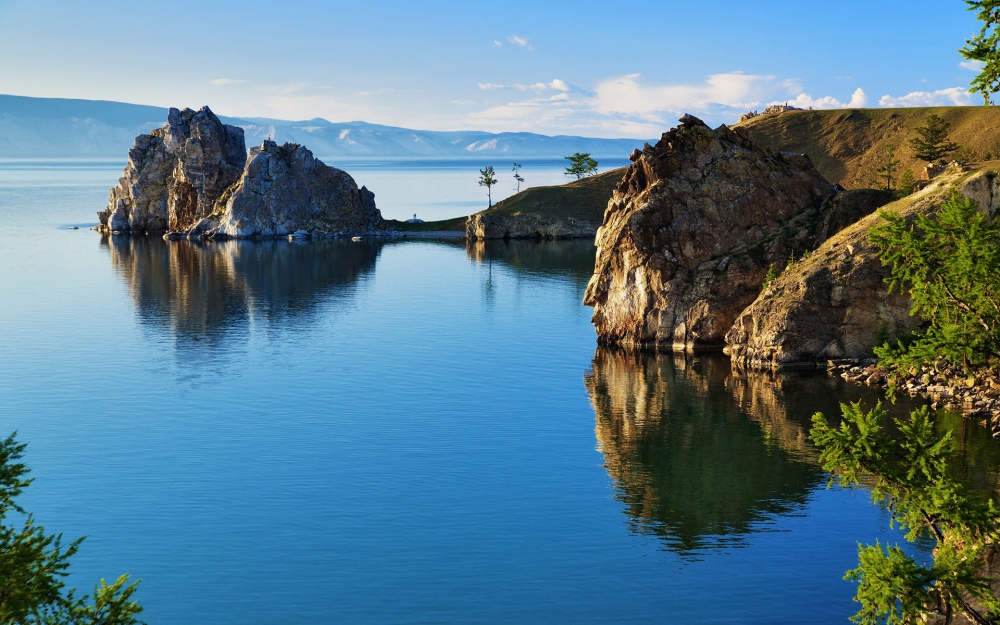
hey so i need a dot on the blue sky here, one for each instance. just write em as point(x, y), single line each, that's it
point(607, 69)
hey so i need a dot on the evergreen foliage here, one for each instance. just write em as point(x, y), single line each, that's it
point(911, 479)
point(772, 273)
point(907, 183)
point(984, 48)
point(580, 165)
point(889, 165)
point(950, 264)
point(932, 143)
point(34, 565)
point(487, 178)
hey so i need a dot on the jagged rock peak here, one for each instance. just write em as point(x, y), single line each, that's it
point(175, 173)
point(284, 189)
point(690, 231)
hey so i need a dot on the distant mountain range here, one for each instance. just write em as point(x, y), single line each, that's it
point(63, 128)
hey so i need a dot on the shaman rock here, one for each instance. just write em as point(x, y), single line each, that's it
point(175, 174)
point(835, 303)
point(285, 189)
point(690, 231)
point(527, 226)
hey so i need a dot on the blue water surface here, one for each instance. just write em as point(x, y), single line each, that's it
point(403, 432)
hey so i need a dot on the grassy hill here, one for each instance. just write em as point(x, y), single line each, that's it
point(581, 199)
point(847, 146)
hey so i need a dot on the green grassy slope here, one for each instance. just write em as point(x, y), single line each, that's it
point(581, 199)
point(847, 145)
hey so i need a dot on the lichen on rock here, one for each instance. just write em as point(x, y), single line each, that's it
point(690, 232)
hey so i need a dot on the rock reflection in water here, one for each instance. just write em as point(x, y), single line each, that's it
point(207, 292)
point(571, 258)
point(688, 464)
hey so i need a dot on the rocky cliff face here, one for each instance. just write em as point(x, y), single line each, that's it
point(486, 225)
point(285, 189)
point(175, 174)
point(835, 303)
point(690, 232)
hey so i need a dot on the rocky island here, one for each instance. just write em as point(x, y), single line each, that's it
point(193, 178)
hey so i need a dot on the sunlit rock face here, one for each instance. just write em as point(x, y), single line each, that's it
point(175, 174)
point(285, 189)
point(688, 464)
point(835, 303)
point(690, 231)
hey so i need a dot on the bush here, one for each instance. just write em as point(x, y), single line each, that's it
point(950, 264)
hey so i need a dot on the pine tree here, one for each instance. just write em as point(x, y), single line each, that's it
point(985, 48)
point(908, 474)
point(949, 263)
point(907, 183)
point(580, 165)
point(487, 178)
point(34, 565)
point(932, 143)
point(889, 165)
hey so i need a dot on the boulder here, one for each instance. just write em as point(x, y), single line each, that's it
point(285, 189)
point(175, 174)
point(487, 225)
point(690, 232)
point(835, 303)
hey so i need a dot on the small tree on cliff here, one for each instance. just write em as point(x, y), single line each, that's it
point(985, 48)
point(487, 178)
point(889, 165)
point(931, 143)
point(907, 183)
point(517, 177)
point(34, 565)
point(580, 165)
point(912, 480)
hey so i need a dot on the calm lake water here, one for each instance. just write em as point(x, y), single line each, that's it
point(405, 432)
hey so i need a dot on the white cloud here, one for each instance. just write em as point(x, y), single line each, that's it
point(497, 44)
point(226, 81)
point(488, 86)
point(954, 96)
point(519, 41)
point(629, 106)
point(972, 66)
point(805, 101)
point(555, 85)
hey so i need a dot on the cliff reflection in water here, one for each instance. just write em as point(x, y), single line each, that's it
point(572, 258)
point(688, 463)
point(701, 453)
point(207, 292)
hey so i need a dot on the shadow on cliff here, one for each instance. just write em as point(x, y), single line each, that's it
point(206, 294)
point(702, 455)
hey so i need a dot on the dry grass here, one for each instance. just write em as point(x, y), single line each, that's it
point(847, 146)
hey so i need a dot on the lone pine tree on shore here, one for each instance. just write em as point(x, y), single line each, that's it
point(931, 143)
point(580, 165)
point(487, 178)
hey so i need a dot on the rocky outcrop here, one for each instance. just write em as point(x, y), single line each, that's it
point(284, 190)
point(835, 304)
point(690, 232)
point(175, 174)
point(487, 225)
